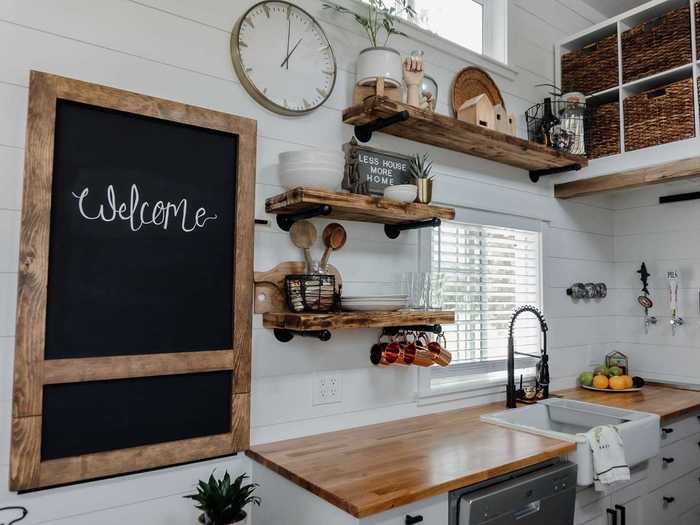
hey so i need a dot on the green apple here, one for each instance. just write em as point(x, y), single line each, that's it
point(586, 378)
point(615, 371)
point(601, 370)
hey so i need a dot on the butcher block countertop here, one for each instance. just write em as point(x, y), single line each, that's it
point(371, 469)
point(666, 401)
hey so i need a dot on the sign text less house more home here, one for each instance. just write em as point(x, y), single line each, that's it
point(369, 170)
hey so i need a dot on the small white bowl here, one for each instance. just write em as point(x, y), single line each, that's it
point(310, 155)
point(401, 192)
point(322, 178)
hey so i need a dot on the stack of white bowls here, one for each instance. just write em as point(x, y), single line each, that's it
point(312, 169)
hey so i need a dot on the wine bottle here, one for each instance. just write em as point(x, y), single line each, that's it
point(548, 123)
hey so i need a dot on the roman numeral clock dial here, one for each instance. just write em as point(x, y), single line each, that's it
point(283, 58)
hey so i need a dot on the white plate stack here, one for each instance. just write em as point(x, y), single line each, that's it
point(312, 169)
point(374, 303)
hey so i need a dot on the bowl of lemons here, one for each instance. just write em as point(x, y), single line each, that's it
point(613, 379)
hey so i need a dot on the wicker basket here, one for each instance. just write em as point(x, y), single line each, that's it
point(660, 115)
point(591, 69)
point(657, 45)
point(604, 135)
point(697, 29)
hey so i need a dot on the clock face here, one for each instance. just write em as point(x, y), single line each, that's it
point(283, 58)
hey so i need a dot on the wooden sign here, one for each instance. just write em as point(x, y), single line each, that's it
point(133, 313)
point(369, 170)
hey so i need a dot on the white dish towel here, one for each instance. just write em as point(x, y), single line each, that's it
point(609, 463)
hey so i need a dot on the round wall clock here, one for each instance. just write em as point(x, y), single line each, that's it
point(283, 58)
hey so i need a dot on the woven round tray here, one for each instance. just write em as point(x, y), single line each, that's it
point(472, 82)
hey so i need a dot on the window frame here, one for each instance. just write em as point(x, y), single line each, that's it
point(428, 394)
point(495, 44)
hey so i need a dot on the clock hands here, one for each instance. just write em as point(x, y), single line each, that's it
point(286, 60)
point(289, 32)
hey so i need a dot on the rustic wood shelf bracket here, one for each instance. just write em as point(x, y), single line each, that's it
point(536, 174)
point(284, 336)
point(285, 221)
point(394, 230)
point(364, 132)
point(431, 328)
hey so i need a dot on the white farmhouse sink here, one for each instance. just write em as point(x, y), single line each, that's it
point(568, 420)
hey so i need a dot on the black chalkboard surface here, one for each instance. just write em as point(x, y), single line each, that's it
point(142, 231)
point(97, 416)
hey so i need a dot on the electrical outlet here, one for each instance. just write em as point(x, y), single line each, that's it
point(327, 389)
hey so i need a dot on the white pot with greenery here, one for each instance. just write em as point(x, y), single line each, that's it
point(379, 22)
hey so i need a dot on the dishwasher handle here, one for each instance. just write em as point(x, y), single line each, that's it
point(528, 510)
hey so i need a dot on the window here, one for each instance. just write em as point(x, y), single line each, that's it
point(477, 25)
point(460, 21)
point(490, 271)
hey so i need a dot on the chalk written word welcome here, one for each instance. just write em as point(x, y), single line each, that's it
point(140, 213)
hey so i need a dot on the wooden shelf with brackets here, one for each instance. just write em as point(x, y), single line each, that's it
point(402, 120)
point(270, 302)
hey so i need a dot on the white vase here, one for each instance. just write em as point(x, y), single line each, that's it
point(375, 62)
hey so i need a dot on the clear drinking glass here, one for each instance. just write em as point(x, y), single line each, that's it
point(425, 290)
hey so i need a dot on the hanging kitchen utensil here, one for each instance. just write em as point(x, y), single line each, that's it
point(673, 278)
point(303, 235)
point(644, 300)
point(334, 238)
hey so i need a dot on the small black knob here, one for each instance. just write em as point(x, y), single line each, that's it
point(411, 520)
point(668, 460)
point(669, 499)
point(669, 430)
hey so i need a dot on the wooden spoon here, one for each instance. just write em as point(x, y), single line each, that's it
point(334, 237)
point(303, 235)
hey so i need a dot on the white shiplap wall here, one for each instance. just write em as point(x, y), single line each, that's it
point(667, 238)
point(178, 49)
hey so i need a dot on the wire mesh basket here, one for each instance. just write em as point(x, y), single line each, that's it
point(568, 130)
point(311, 293)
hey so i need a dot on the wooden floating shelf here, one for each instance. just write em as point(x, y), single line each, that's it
point(310, 322)
point(449, 133)
point(354, 207)
point(636, 178)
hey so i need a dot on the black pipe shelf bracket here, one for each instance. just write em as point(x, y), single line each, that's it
point(536, 174)
point(394, 230)
point(285, 221)
point(284, 335)
point(364, 132)
point(431, 328)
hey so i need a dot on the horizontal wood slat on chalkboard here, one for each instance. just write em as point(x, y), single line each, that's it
point(57, 371)
point(32, 368)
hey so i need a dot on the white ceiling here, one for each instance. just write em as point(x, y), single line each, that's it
point(611, 8)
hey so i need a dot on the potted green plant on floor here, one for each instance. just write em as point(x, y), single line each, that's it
point(221, 501)
point(380, 22)
point(421, 171)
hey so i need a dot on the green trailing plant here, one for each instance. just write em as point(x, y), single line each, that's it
point(379, 18)
point(421, 167)
point(221, 501)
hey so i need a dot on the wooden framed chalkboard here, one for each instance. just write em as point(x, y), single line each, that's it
point(135, 287)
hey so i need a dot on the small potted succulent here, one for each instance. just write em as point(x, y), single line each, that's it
point(379, 22)
point(421, 171)
point(221, 501)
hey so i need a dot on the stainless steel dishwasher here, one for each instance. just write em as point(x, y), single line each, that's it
point(542, 495)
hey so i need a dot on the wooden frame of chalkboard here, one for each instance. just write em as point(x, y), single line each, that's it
point(34, 465)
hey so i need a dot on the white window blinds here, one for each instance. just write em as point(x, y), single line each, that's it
point(489, 272)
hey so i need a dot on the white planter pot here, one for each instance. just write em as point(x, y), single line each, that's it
point(375, 62)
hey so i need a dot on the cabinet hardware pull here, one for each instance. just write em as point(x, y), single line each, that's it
point(613, 513)
point(670, 430)
point(623, 514)
point(668, 460)
point(412, 520)
point(669, 499)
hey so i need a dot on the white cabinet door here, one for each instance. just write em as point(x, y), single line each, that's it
point(675, 460)
point(679, 429)
point(433, 511)
point(669, 502)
